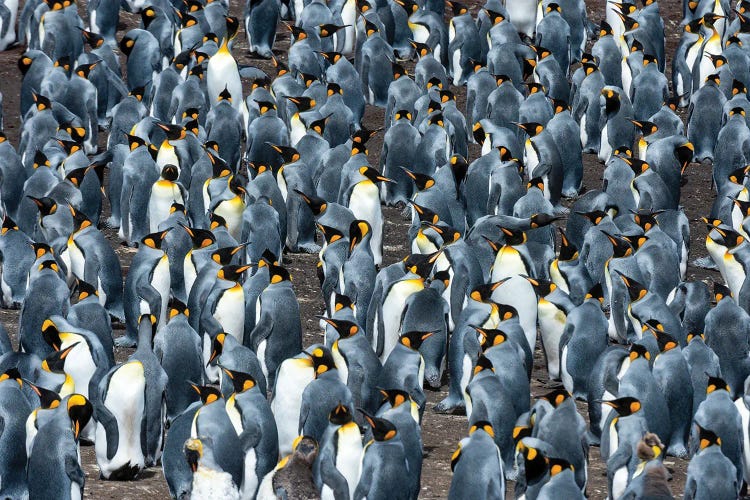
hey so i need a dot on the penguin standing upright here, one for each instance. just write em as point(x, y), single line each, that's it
point(362, 197)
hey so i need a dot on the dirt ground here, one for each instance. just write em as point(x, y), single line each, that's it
point(441, 433)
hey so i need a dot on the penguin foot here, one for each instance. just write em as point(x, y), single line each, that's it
point(592, 439)
point(452, 406)
point(125, 341)
point(308, 248)
point(677, 450)
point(511, 473)
point(705, 263)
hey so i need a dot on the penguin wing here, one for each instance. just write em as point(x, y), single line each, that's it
point(108, 421)
point(73, 468)
point(5, 17)
point(152, 428)
point(252, 73)
point(619, 459)
point(148, 293)
point(331, 477)
point(263, 328)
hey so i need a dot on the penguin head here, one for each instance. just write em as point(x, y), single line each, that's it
point(330, 234)
point(201, 238)
point(637, 165)
point(173, 132)
point(558, 466)
point(556, 397)
point(334, 89)
point(552, 7)
point(344, 328)
point(216, 221)
point(265, 106)
point(305, 449)
point(535, 463)
point(42, 249)
point(219, 167)
point(50, 264)
point(196, 71)
point(14, 375)
point(85, 290)
point(436, 119)
point(24, 64)
point(241, 381)
point(55, 361)
point(48, 400)
point(322, 360)
point(448, 234)
point(590, 67)
point(135, 142)
point(51, 334)
point(620, 246)
point(648, 59)
point(520, 432)
point(328, 30)
point(738, 111)
point(287, 153)
point(341, 301)
point(495, 17)
point(710, 19)
point(482, 425)
point(457, 8)
point(373, 175)
point(630, 23)
point(319, 126)
point(707, 438)
point(413, 339)
point(624, 406)
point(595, 216)
point(732, 238)
point(505, 311)
point(69, 147)
point(532, 129)
point(217, 347)
point(176, 307)
point(410, 6)
point(638, 351)
point(395, 397)
point(359, 231)
point(542, 220)
point(490, 337)
point(8, 225)
point(716, 384)
point(646, 128)
point(424, 214)
point(298, 33)
point(170, 173)
point(535, 88)
point(155, 240)
point(738, 87)
point(611, 99)
point(721, 292)
point(278, 274)
point(224, 95)
point(513, 237)
point(446, 96)
point(421, 181)
point(232, 272)
point(666, 341)
point(541, 287)
point(636, 291)
point(211, 38)
point(331, 57)
point(483, 293)
point(646, 219)
point(77, 134)
point(41, 102)
point(420, 264)
point(605, 29)
point(559, 106)
point(595, 292)
point(233, 25)
point(483, 364)
point(541, 52)
point(302, 103)
point(382, 429)
point(316, 204)
point(207, 393)
point(193, 450)
point(80, 411)
point(715, 79)
point(568, 250)
point(692, 336)
point(340, 415)
point(649, 447)
point(84, 70)
point(46, 205)
point(127, 43)
point(63, 63)
point(717, 60)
